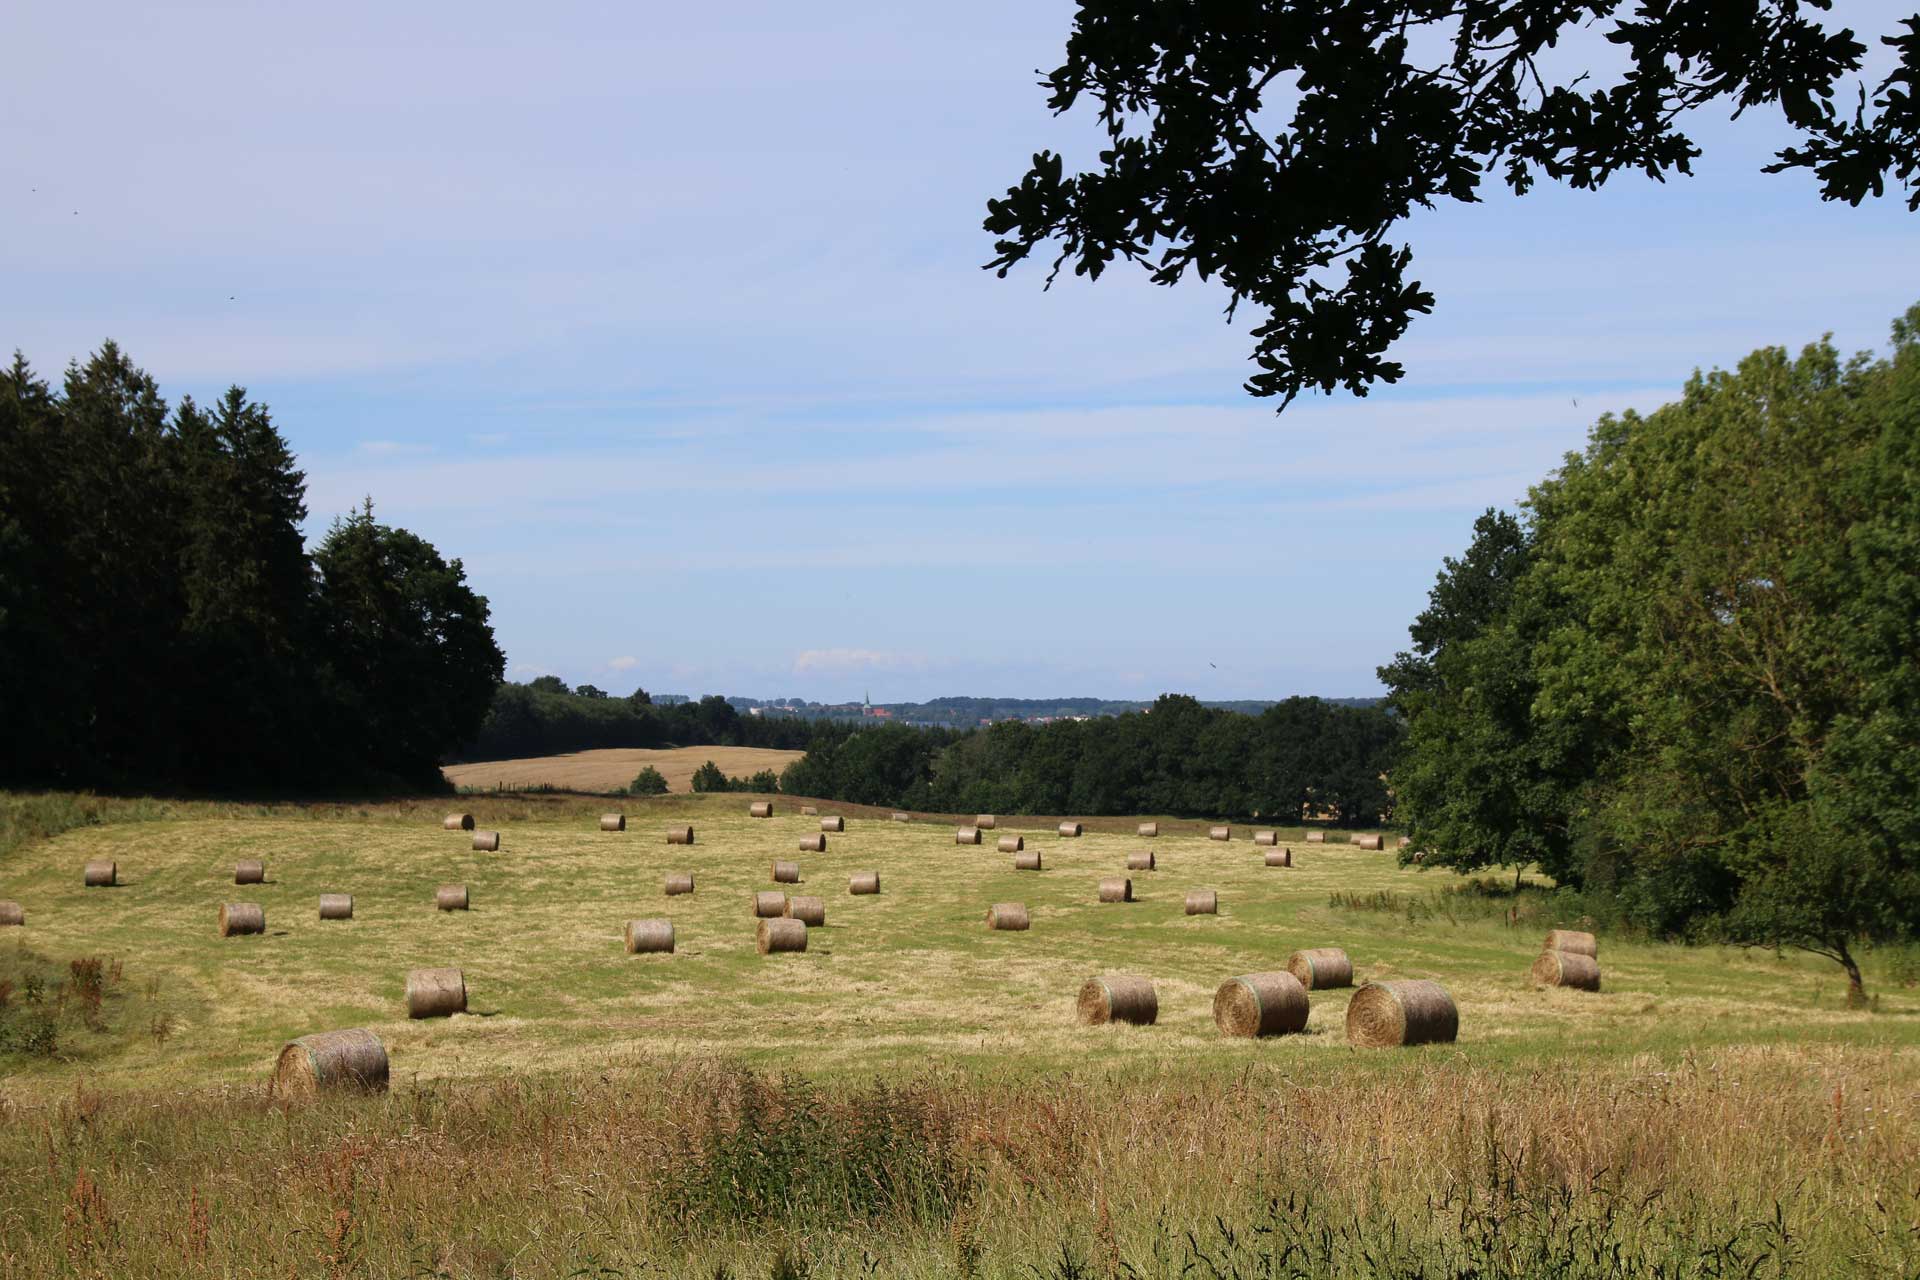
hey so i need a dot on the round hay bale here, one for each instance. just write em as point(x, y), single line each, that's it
point(101, 874)
point(1069, 829)
point(1147, 830)
point(808, 811)
point(1279, 857)
point(1140, 860)
point(1574, 940)
point(986, 822)
point(613, 822)
point(1116, 889)
point(760, 809)
point(1316, 837)
point(1405, 841)
point(781, 935)
point(242, 917)
point(864, 882)
point(903, 817)
point(458, 822)
point(1006, 917)
point(486, 842)
point(808, 910)
point(1012, 844)
point(786, 872)
point(1385, 1015)
point(1219, 833)
point(1566, 969)
point(451, 897)
point(679, 882)
point(336, 906)
point(834, 824)
point(1267, 838)
point(679, 835)
point(1319, 968)
point(1260, 1004)
point(769, 903)
point(436, 993)
point(1369, 842)
point(648, 937)
point(331, 1060)
point(813, 844)
point(1028, 861)
point(1118, 997)
point(1203, 902)
point(12, 913)
point(967, 835)
point(250, 871)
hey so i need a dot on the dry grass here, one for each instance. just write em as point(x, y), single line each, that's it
point(602, 771)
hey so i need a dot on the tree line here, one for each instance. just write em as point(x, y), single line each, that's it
point(1685, 678)
point(163, 624)
point(544, 717)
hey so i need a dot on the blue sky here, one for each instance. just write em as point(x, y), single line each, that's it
point(669, 321)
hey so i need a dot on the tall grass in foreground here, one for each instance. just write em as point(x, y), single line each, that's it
point(1738, 1163)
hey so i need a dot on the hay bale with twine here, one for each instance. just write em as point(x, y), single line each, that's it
point(1070, 829)
point(486, 842)
point(649, 937)
point(458, 822)
point(12, 913)
point(451, 897)
point(1012, 844)
point(336, 906)
point(834, 824)
point(808, 910)
point(1219, 833)
point(1268, 838)
point(1116, 889)
point(679, 835)
point(769, 903)
point(1319, 968)
point(1147, 830)
point(986, 822)
point(781, 935)
point(1008, 917)
point(1279, 857)
point(237, 918)
point(436, 993)
point(808, 811)
point(1140, 860)
point(1566, 969)
point(1203, 902)
point(1574, 940)
point(967, 835)
point(331, 1060)
point(862, 882)
point(1260, 1004)
point(101, 874)
point(1027, 861)
point(1385, 1015)
point(1118, 997)
point(760, 809)
point(786, 872)
point(1316, 837)
point(1368, 842)
point(250, 871)
point(813, 844)
point(613, 822)
point(678, 882)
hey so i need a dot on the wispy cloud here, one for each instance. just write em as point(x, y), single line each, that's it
point(845, 661)
point(623, 663)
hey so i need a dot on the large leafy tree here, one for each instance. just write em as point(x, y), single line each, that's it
point(1278, 145)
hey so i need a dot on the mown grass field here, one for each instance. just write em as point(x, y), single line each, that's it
point(612, 767)
point(942, 1112)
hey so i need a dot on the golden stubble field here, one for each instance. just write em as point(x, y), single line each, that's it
point(616, 766)
point(908, 977)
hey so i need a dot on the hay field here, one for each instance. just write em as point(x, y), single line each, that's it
point(613, 767)
point(909, 975)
